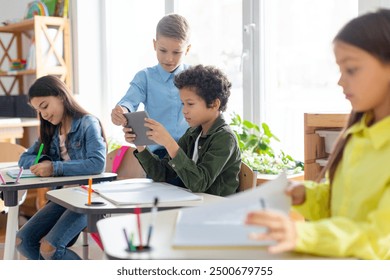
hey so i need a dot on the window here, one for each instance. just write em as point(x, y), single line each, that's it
point(217, 40)
point(130, 30)
point(300, 71)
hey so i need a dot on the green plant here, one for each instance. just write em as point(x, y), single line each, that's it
point(256, 148)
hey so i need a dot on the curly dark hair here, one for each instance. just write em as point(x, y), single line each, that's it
point(209, 82)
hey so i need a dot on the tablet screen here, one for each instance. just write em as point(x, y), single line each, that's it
point(136, 121)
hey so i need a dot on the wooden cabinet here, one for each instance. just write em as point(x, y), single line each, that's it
point(50, 54)
point(315, 151)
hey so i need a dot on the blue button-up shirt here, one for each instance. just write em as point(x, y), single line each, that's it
point(154, 87)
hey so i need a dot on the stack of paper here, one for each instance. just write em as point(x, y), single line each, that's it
point(143, 192)
point(222, 223)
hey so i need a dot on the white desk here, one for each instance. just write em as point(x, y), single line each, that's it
point(75, 198)
point(10, 196)
point(111, 234)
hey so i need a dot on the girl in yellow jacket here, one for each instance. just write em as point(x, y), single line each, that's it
point(348, 215)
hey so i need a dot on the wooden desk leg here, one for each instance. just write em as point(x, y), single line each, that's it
point(10, 233)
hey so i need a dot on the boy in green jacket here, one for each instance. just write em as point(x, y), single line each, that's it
point(206, 158)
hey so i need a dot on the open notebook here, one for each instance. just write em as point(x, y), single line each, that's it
point(141, 191)
point(13, 173)
point(221, 224)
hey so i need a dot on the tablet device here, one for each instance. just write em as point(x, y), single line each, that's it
point(136, 121)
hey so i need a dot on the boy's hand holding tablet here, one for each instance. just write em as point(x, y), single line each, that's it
point(135, 129)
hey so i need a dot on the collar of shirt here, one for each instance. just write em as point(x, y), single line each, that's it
point(165, 76)
point(219, 122)
point(378, 133)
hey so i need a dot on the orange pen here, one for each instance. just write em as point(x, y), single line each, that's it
point(89, 190)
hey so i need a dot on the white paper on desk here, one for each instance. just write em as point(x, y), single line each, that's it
point(222, 223)
point(143, 192)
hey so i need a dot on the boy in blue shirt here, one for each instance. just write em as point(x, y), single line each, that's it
point(207, 157)
point(154, 87)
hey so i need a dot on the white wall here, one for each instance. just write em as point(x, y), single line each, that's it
point(87, 38)
point(372, 5)
point(12, 9)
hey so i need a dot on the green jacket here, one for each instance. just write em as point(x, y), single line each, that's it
point(217, 168)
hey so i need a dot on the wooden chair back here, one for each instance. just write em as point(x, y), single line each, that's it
point(10, 152)
point(247, 178)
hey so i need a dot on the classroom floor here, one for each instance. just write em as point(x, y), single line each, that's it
point(95, 253)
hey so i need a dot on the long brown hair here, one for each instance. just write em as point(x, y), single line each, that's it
point(53, 86)
point(370, 32)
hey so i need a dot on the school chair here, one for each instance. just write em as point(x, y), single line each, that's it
point(122, 162)
point(10, 152)
point(247, 178)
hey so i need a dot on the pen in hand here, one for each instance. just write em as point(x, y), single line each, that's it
point(39, 153)
point(262, 203)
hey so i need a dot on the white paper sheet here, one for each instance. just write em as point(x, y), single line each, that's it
point(222, 223)
point(143, 192)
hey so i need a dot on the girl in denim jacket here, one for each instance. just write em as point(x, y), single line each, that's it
point(74, 144)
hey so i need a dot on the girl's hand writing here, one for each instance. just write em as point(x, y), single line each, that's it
point(43, 169)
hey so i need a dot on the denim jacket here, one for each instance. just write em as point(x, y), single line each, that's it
point(86, 148)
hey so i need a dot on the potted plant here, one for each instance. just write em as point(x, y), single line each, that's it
point(258, 152)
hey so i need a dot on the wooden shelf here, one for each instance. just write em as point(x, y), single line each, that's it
point(314, 144)
point(18, 73)
point(51, 36)
point(18, 26)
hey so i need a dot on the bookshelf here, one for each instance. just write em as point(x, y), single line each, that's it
point(50, 54)
point(316, 153)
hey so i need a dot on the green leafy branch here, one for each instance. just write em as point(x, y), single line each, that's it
point(255, 144)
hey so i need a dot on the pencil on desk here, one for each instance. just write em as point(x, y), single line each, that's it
point(89, 190)
point(39, 153)
point(127, 239)
point(86, 188)
point(132, 247)
point(154, 212)
point(137, 211)
point(19, 174)
point(2, 179)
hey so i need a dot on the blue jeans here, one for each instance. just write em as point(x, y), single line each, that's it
point(55, 224)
